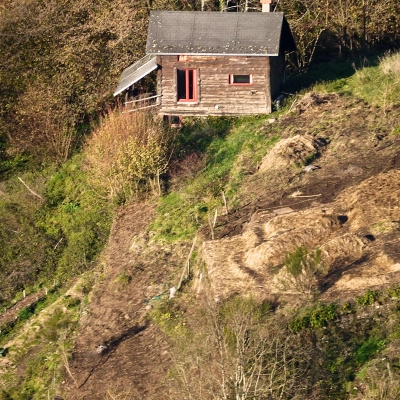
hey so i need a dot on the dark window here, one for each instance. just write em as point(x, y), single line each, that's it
point(240, 79)
point(187, 85)
point(173, 120)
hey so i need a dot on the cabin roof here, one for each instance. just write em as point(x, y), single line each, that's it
point(218, 33)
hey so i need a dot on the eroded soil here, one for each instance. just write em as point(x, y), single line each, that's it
point(118, 352)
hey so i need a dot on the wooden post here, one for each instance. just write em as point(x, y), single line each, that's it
point(225, 203)
point(187, 265)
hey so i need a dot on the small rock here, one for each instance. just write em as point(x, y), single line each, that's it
point(310, 168)
point(172, 292)
point(100, 348)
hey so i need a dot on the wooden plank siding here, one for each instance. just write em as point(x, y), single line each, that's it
point(214, 87)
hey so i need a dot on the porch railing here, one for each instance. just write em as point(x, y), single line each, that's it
point(142, 102)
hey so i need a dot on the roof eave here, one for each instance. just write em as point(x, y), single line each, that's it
point(216, 54)
point(138, 72)
point(122, 88)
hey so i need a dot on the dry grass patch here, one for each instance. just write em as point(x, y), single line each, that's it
point(128, 152)
point(390, 64)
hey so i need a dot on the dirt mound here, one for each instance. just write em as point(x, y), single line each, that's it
point(314, 99)
point(249, 262)
point(295, 150)
point(375, 202)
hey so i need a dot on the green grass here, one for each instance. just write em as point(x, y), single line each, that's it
point(11, 328)
point(42, 357)
point(352, 339)
point(376, 82)
point(232, 153)
point(232, 147)
point(54, 236)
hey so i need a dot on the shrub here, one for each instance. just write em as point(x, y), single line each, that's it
point(128, 152)
point(317, 317)
point(369, 298)
point(302, 270)
point(390, 64)
point(123, 279)
point(75, 217)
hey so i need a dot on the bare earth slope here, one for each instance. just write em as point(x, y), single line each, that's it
point(133, 357)
point(349, 207)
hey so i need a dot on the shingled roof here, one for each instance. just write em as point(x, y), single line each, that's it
point(218, 33)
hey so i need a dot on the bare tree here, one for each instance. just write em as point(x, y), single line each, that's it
point(241, 351)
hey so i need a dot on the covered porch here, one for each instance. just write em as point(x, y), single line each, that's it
point(131, 75)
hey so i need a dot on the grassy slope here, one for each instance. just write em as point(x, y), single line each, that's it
point(232, 149)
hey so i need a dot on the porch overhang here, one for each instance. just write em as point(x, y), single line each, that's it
point(136, 71)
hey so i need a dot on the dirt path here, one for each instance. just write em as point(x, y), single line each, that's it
point(133, 357)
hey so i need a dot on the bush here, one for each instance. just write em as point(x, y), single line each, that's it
point(302, 271)
point(75, 217)
point(128, 152)
point(369, 298)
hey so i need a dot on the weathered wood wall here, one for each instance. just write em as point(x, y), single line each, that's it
point(216, 95)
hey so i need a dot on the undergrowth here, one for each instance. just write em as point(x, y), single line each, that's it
point(336, 349)
point(43, 350)
point(234, 151)
point(53, 225)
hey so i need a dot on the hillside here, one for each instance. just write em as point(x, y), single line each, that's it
point(322, 174)
point(348, 207)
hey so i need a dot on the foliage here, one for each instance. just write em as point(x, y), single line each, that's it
point(75, 218)
point(61, 60)
point(25, 248)
point(123, 279)
point(302, 270)
point(380, 384)
point(239, 350)
point(56, 235)
point(368, 348)
point(317, 317)
point(127, 153)
point(377, 83)
point(43, 368)
point(356, 345)
point(369, 298)
point(325, 30)
point(12, 327)
point(169, 318)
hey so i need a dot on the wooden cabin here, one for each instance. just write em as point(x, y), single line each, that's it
point(213, 63)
